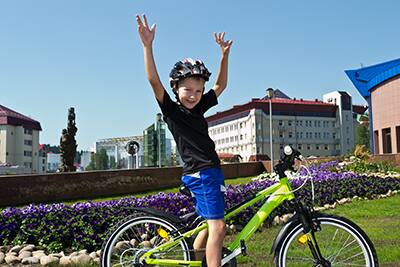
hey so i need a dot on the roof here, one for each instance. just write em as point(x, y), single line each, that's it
point(365, 79)
point(280, 106)
point(11, 117)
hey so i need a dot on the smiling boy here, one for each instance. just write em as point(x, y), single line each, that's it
point(185, 119)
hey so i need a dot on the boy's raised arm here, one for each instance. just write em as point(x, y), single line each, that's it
point(147, 36)
point(222, 77)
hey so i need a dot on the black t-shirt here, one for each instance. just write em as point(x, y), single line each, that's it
point(190, 131)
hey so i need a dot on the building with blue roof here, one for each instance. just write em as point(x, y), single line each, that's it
point(380, 86)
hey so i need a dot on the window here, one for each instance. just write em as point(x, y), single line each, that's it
point(333, 136)
point(326, 147)
point(317, 147)
point(386, 140)
point(299, 146)
point(308, 147)
point(398, 138)
point(236, 138)
point(28, 153)
point(241, 137)
point(280, 122)
point(27, 131)
point(28, 142)
point(281, 134)
point(315, 135)
point(301, 123)
point(301, 135)
point(290, 123)
point(290, 134)
point(376, 142)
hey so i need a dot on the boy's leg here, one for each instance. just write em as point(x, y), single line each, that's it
point(199, 245)
point(215, 240)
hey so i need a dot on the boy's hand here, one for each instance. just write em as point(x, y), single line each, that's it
point(225, 45)
point(146, 34)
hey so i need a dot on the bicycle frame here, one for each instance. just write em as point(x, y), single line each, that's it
point(276, 193)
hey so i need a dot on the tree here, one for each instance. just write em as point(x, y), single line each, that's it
point(102, 160)
point(362, 135)
point(92, 164)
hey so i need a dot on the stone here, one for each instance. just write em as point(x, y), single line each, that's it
point(65, 260)
point(2, 256)
point(46, 260)
point(16, 249)
point(146, 244)
point(133, 243)
point(11, 259)
point(24, 254)
point(97, 261)
point(84, 259)
point(83, 251)
point(122, 245)
point(27, 248)
point(30, 260)
point(73, 254)
point(98, 253)
point(38, 252)
point(38, 255)
point(58, 255)
point(93, 255)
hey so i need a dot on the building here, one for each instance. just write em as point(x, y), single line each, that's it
point(19, 141)
point(116, 151)
point(85, 159)
point(316, 128)
point(380, 86)
point(157, 149)
point(53, 161)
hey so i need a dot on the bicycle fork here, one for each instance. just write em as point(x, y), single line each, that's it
point(309, 229)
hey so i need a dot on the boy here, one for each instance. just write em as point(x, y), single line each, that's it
point(185, 119)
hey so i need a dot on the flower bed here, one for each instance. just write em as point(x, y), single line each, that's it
point(59, 227)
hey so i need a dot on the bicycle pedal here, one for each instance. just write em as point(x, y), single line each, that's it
point(243, 248)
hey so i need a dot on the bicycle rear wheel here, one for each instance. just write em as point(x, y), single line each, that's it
point(341, 242)
point(133, 237)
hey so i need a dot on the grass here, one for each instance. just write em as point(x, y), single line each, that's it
point(380, 219)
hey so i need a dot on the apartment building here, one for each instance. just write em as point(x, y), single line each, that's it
point(316, 128)
point(19, 141)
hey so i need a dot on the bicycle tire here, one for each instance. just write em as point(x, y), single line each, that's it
point(337, 238)
point(120, 249)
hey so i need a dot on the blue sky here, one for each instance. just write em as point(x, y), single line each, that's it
point(87, 54)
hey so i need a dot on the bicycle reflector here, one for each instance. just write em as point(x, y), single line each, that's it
point(161, 232)
point(302, 239)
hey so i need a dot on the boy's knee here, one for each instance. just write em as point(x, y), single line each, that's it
point(218, 227)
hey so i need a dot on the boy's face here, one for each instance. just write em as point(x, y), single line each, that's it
point(190, 91)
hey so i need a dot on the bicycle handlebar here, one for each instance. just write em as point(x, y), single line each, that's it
point(287, 161)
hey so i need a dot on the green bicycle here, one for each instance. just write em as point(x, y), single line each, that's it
point(154, 238)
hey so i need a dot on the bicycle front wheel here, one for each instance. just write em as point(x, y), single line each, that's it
point(341, 242)
point(133, 237)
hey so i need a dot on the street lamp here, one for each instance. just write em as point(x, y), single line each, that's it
point(270, 94)
point(159, 138)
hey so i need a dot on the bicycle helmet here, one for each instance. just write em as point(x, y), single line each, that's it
point(186, 68)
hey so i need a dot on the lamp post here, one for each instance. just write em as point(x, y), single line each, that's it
point(159, 138)
point(270, 94)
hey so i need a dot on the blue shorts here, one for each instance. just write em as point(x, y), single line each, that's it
point(208, 188)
